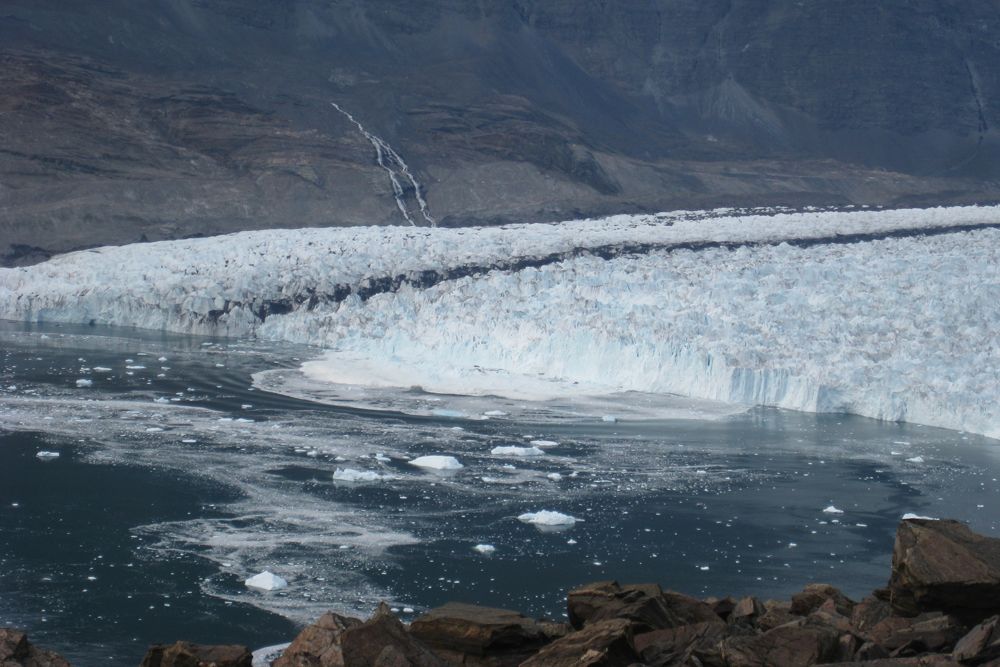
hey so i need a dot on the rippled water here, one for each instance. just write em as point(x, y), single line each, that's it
point(180, 475)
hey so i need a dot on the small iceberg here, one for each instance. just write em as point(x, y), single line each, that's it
point(352, 475)
point(484, 549)
point(45, 455)
point(266, 581)
point(84, 382)
point(548, 518)
point(832, 510)
point(437, 462)
point(911, 515)
point(517, 451)
point(916, 459)
point(544, 443)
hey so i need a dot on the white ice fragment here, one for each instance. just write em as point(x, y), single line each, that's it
point(266, 581)
point(495, 413)
point(136, 367)
point(910, 515)
point(915, 459)
point(544, 443)
point(554, 476)
point(46, 455)
point(547, 518)
point(611, 419)
point(189, 441)
point(352, 475)
point(382, 458)
point(101, 369)
point(517, 451)
point(437, 462)
point(484, 548)
point(84, 382)
point(830, 509)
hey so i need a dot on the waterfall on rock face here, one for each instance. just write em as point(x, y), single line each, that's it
point(396, 167)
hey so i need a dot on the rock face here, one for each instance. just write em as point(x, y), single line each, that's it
point(944, 566)
point(319, 644)
point(185, 654)
point(646, 605)
point(601, 644)
point(173, 118)
point(17, 651)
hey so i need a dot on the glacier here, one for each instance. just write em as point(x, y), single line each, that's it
point(886, 314)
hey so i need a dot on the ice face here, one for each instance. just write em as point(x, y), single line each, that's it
point(897, 328)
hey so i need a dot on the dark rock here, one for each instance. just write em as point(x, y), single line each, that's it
point(470, 635)
point(928, 632)
point(814, 595)
point(17, 651)
point(871, 651)
point(796, 644)
point(921, 661)
point(746, 611)
point(319, 644)
point(600, 644)
point(944, 566)
point(646, 605)
point(847, 647)
point(981, 644)
point(186, 654)
point(365, 644)
point(776, 613)
point(868, 613)
point(676, 646)
point(723, 607)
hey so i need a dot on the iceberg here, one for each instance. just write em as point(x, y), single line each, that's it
point(266, 581)
point(517, 451)
point(548, 518)
point(352, 475)
point(437, 462)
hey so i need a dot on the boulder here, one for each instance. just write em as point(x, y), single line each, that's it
point(365, 644)
point(17, 651)
point(776, 612)
point(721, 606)
point(482, 636)
point(186, 654)
point(933, 632)
point(645, 605)
point(944, 566)
point(813, 596)
point(319, 644)
point(677, 646)
point(797, 644)
point(981, 644)
point(920, 661)
point(746, 611)
point(599, 644)
point(868, 613)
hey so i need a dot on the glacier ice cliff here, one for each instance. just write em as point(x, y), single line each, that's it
point(887, 314)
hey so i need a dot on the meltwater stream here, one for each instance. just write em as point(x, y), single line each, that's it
point(179, 475)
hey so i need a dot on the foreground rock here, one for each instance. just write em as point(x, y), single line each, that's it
point(319, 644)
point(944, 566)
point(185, 654)
point(17, 651)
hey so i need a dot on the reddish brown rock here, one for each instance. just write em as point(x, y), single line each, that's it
point(747, 611)
point(365, 644)
point(776, 613)
point(676, 646)
point(17, 651)
point(646, 605)
point(319, 644)
point(981, 644)
point(798, 644)
point(813, 596)
point(868, 613)
point(919, 661)
point(599, 644)
point(481, 636)
point(186, 654)
point(931, 632)
point(944, 566)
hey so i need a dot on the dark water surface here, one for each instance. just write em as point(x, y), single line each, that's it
point(177, 479)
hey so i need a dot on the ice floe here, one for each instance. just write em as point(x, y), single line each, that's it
point(548, 518)
point(436, 462)
point(266, 581)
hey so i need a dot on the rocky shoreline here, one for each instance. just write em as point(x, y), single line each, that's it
point(941, 607)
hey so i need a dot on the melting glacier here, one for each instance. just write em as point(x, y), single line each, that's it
point(886, 314)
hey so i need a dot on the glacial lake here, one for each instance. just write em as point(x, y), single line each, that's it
point(178, 476)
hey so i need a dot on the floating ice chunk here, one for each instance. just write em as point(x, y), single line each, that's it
point(443, 412)
point(84, 382)
point(352, 475)
point(832, 510)
point(517, 451)
point(101, 369)
point(544, 443)
point(45, 455)
point(189, 441)
point(611, 419)
point(266, 581)
point(495, 413)
point(437, 462)
point(554, 476)
point(916, 459)
point(910, 515)
point(382, 458)
point(547, 518)
point(484, 548)
point(136, 367)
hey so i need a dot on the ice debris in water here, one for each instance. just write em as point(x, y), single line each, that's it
point(45, 455)
point(554, 476)
point(84, 382)
point(437, 462)
point(911, 515)
point(352, 475)
point(517, 451)
point(832, 510)
point(547, 518)
point(916, 459)
point(266, 581)
point(611, 419)
point(484, 548)
point(544, 443)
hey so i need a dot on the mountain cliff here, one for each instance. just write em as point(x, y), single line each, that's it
point(124, 120)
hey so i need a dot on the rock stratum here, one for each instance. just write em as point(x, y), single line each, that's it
point(941, 608)
point(168, 119)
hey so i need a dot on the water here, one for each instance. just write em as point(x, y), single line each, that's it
point(179, 479)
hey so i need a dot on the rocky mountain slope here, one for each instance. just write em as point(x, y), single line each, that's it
point(124, 120)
